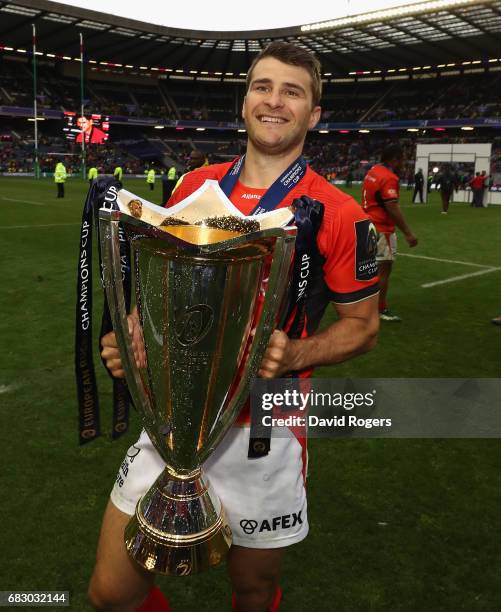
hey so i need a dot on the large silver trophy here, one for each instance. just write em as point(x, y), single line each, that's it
point(210, 287)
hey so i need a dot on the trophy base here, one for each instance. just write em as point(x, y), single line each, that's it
point(179, 527)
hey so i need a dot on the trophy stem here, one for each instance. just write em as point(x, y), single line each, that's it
point(179, 527)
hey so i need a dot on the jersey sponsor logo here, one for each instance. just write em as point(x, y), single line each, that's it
point(365, 261)
point(251, 196)
point(286, 521)
point(248, 526)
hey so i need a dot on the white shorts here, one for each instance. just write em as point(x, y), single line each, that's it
point(264, 499)
point(386, 247)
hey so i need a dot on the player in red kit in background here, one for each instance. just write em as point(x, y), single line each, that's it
point(380, 200)
point(477, 184)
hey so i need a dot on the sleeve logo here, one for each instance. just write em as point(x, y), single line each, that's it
point(365, 264)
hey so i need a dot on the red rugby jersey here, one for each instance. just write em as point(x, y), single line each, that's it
point(477, 182)
point(348, 272)
point(381, 186)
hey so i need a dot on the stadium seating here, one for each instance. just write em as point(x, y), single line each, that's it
point(467, 96)
point(462, 96)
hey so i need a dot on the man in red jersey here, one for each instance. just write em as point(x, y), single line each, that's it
point(380, 194)
point(264, 498)
point(477, 184)
point(91, 133)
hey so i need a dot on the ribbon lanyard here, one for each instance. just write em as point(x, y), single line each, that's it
point(278, 190)
point(102, 190)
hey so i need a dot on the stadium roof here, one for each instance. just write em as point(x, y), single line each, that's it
point(411, 36)
point(221, 15)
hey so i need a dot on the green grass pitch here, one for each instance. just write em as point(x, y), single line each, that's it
point(400, 525)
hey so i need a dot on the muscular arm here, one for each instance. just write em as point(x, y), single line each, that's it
point(354, 332)
point(393, 209)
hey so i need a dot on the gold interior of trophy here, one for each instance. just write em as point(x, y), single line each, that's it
point(208, 219)
point(199, 234)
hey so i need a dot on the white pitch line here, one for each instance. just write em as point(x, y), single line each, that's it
point(453, 279)
point(22, 201)
point(7, 388)
point(452, 261)
point(37, 226)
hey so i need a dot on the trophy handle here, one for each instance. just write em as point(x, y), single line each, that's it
point(273, 317)
point(109, 231)
point(283, 267)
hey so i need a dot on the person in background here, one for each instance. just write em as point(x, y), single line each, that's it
point(431, 178)
point(92, 174)
point(169, 181)
point(410, 180)
point(418, 186)
point(150, 178)
point(196, 160)
point(485, 186)
point(118, 173)
point(380, 193)
point(60, 178)
point(477, 189)
point(349, 177)
point(447, 182)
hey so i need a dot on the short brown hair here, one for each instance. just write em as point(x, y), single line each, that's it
point(294, 56)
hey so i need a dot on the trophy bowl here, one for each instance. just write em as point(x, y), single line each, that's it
point(208, 299)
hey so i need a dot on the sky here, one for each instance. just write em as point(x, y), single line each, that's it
point(229, 15)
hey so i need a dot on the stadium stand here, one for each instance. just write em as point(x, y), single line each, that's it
point(372, 83)
point(465, 96)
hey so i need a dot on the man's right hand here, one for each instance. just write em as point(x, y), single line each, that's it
point(411, 240)
point(111, 354)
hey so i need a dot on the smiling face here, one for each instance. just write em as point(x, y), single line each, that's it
point(278, 107)
point(84, 124)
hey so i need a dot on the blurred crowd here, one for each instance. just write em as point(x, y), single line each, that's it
point(460, 96)
point(345, 160)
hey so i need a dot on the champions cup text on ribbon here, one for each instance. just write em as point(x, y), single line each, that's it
point(104, 192)
point(308, 215)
